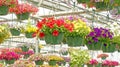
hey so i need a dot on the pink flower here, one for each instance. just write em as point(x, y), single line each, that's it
point(93, 62)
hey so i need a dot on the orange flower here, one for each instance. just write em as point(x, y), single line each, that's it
point(102, 55)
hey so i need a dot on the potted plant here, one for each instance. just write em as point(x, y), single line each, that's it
point(39, 48)
point(27, 54)
point(4, 33)
point(30, 30)
point(9, 57)
point(53, 29)
point(100, 39)
point(15, 31)
point(38, 58)
point(78, 57)
point(53, 59)
point(102, 56)
point(109, 63)
point(23, 63)
point(92, 63)
point(23, 11)
point(5, 4)
point(79, 31)
point(116, 40)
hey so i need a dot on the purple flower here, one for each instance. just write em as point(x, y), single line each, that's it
point(105, 45)
point(92, 34)
point(67, 59)
point(95, 39)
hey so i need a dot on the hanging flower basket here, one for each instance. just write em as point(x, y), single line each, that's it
point(4, 10)
point(9, 61)
point(74, 41)
point(50, 39)
point(39, 62)
point(23, 16)
point(28, 34)
point(52, 62)
point(15, 32)
point(83, 1)
point(109, 47)
point(95, 46)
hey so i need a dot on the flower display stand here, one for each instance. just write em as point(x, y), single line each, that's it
point(4, 10)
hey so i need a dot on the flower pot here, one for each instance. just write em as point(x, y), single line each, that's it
point(89, 65)
point(9, 61)
point(39, 62)
point(95, 46)
point(26, 56)
point(24, 48)
point(83, 1)
point(109, 48)
point(74, 41)
point(4, 10)
point(28, 35)
point(65, 53)
point(23, 16)
point(101, 5)
point(50, 39)
point(15, 32)
point(52, 62)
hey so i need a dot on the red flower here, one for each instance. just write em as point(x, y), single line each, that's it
point(39, 25)
point(55, 33)
point(69, 27)
point(50, 24)
point(59, 22)
point(41, 35)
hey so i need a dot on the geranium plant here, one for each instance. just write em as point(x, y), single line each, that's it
point(9, 57)
point(5, 4)
point(53, 29)
point(109, 63)
point(23, 11)
point(99, 38)
point(92, 63)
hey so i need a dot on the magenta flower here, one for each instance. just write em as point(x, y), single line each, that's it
point(93, 62)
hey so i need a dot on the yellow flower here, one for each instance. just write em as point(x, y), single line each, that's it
point(40, 46)
point(31, 29)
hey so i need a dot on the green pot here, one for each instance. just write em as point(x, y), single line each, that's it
point(4, 10)
point(89, 65)
point(52, 63)
point(74, 41)
point(101, 5)
point(9, 61)
point(24, 48)
point(35, 50)
point(15, 32)
point(50, 39)
point(26, 56)
point(39, 62)
point(95, 46)
point(23, 16)
point(109, 48)
point(28, 35)
point(83, 1)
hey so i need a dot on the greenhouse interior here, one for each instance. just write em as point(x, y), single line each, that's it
point(59, 33)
